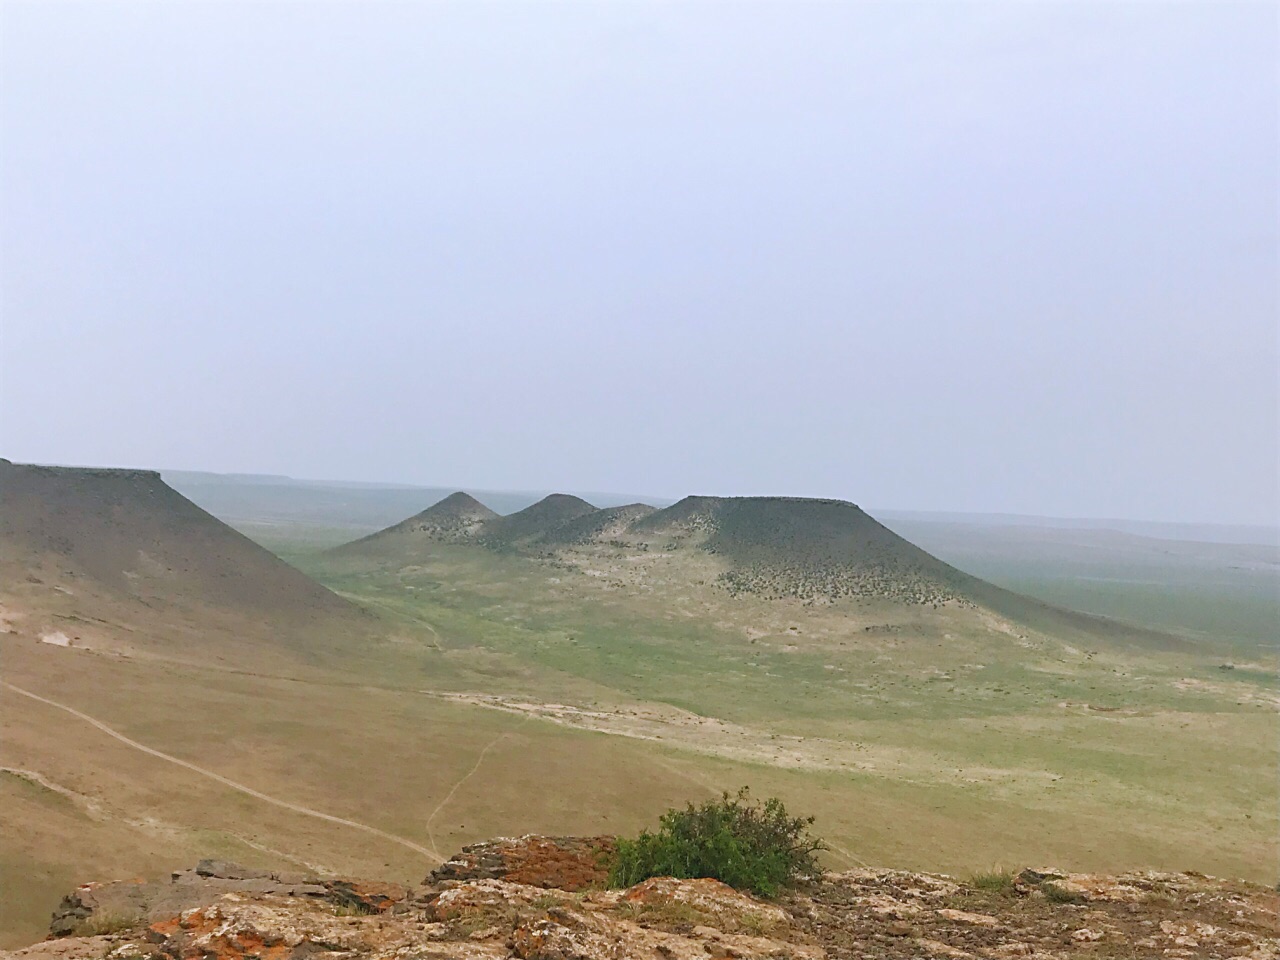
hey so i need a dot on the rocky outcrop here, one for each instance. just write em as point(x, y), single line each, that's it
point(1039, 914)
point(667, 918)
point(93, 907)
point(220, 912)
point(272, 928)
point(565, 863)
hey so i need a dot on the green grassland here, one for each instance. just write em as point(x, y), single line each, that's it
point(1205, 589)
point(769, 659)
point(1162, 751)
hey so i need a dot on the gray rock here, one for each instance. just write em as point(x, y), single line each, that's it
point(136, 902)
point(225, 870)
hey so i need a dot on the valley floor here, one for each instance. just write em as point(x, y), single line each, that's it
point(122, 763)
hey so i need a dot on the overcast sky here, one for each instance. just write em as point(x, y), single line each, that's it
point(973, 257)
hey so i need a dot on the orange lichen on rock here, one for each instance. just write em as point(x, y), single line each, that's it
point(212, 934)
point(560, 863)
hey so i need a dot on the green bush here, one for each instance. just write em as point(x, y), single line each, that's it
point(995, 881)
point(1056, 894)
point(750, 846)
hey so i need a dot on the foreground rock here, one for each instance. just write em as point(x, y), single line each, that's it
point(474, 909)
point(94, 907)
point(675, 919)
point(1042, 915)
point(563, 863)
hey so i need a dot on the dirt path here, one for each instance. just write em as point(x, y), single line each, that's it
point(226, 782)
point(431, 838)
point(362, 600)
point(87, 804)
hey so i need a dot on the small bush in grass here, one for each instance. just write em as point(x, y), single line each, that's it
point(1057, 894)
point(748, 845)
point(994, 881)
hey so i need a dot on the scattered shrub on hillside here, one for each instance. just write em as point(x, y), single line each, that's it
point(748, 845)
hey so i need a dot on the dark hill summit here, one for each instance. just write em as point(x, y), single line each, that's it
point(806, 548)
point(821, 550)
point(460, 518)
point(461, 506)
point(122, 547)
point(691, 513)
point(455, 519)
point(537, 520)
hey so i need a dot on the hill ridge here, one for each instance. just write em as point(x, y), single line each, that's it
point(536, 520)
point(773, 546)
point(815, 550)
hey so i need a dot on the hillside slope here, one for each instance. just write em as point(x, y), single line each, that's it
point(807, 549)
point(97, 546)
point(600, 526)
point(537, 521)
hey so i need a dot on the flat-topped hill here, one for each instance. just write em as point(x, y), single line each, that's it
point(807, 548)
point(96, 542)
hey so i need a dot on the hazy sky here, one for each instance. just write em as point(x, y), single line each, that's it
point(989, 257)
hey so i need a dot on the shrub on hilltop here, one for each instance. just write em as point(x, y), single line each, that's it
point(755, 846)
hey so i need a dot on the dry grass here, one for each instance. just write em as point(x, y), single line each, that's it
point(104, 924)
point(666, 915)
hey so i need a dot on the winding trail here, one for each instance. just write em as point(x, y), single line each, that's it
point(226, 782)
point(90, 806)
point(431, 837)
point(362, 599)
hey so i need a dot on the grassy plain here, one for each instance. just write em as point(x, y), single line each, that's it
point(1090, 755)
point(1224, 589)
